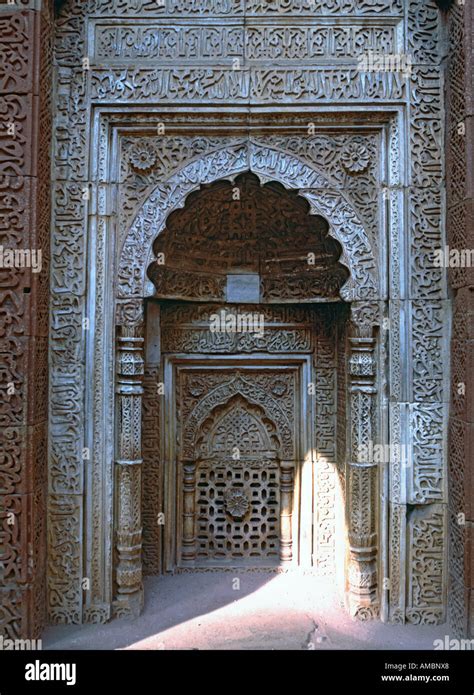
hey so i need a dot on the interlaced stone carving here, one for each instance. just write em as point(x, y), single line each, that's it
point(350, 201)
point(238, 513)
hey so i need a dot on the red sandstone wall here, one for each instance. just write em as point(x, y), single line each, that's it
point(460, 190)
point(25, 137)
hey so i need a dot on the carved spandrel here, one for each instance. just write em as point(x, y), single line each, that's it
point(273, 165)
point(258, 391)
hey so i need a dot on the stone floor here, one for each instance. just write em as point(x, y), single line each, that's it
point(267, 611)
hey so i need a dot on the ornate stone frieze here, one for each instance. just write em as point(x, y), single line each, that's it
point(424, 19)
point(427, 427)
point(428, 341)
point(241, 7)
point(206, 44)
point(203, 341)
point(65, 558)
point(260, 86)
point(198, 315)
point(183, 284)
point(426, 226)
point(426, 132)
point(70, 124)
point(189, 332)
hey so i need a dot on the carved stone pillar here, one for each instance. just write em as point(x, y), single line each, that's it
point(189, 489)
point(362, 472)
point(286, 510)
point(128, 539)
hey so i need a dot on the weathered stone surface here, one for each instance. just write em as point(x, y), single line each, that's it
point(148, 177)
point(25, 99)
point(460, 236)
point(377, 185)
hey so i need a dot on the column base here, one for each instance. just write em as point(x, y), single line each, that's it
point(363, 610)
point(128, 606)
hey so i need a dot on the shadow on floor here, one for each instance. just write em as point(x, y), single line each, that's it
point(242, 610)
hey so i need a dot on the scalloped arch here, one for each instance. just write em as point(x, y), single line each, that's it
point(270, 164)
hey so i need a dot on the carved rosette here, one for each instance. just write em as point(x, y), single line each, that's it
point(362, 474)
point(128, 542)
point(236, 503)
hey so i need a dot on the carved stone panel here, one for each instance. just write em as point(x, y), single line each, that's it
point(426, 597)
point(237, 433)
point(376, 178)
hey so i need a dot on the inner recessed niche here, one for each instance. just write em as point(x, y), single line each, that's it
point(243, 240)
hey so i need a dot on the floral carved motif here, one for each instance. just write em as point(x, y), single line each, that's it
point(236, 503)
point(355, 157)
point(338, 184)
point(143, 157)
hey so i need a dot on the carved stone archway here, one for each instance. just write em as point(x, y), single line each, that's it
point(206, 440)
point(270, 164)
point(253, 394)
point(375, 155)
point(361, 289)
point(243, 231)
